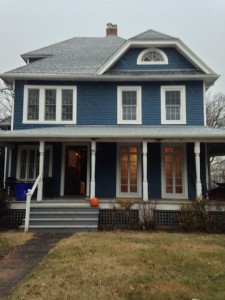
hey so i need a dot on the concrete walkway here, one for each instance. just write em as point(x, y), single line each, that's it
point(18, 263)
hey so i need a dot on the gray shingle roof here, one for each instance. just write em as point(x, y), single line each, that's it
point(133, 132)
point(77, 56)
point(152, 35)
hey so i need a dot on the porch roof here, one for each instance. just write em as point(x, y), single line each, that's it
point(118, 132)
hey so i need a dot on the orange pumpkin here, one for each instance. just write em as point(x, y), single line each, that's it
point(94, 202)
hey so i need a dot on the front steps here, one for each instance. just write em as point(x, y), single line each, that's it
point(66, 218)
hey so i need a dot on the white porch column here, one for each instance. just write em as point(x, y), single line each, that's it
point(145, 179)
point(41, 170)
point(93, 160)
point(197, 167)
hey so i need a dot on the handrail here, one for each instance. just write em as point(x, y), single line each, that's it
point(28, 201)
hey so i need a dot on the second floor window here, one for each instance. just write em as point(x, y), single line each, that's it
point(49, 104)
point(129, 105)
point(173, 105)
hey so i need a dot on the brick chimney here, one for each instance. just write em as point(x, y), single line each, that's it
point(111, 29)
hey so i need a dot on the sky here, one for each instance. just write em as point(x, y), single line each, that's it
point(27, 25)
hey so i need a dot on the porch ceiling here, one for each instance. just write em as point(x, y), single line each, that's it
point(116, 132)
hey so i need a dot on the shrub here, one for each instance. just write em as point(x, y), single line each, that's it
point(199, 215)
point(147, 215)
point(4, 204)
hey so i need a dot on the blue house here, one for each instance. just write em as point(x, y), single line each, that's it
point(112, 118)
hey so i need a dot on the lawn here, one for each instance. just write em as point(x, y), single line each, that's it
point(130, 265)
point(11, 239)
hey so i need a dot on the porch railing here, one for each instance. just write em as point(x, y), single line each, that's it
point(28, 201)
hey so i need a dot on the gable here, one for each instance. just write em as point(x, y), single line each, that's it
point(176, 61)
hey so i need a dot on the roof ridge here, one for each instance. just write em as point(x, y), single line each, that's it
point(160, 34)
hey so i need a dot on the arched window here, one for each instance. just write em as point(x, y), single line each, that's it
point(152, 56)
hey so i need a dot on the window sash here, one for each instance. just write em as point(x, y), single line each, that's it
point(67, 105)
point(33, 104)
point(50, 104)
point(129, 105)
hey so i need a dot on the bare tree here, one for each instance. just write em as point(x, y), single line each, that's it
point(215, 110)
point(6, 99)
point(215, 117)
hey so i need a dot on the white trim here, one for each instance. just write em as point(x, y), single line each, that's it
point(120, 120)
point(184, 195)
point(34, 147)
point(42, 89)
point(139, 180)
point(158, 51)
point(181, 47)
point(10, 163)
point(63, 158)
point(182, 90)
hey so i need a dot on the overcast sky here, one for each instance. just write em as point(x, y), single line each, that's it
point(27, 25)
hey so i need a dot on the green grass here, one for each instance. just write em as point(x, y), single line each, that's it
point(130, 265)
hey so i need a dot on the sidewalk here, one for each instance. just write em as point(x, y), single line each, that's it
point(18, 263)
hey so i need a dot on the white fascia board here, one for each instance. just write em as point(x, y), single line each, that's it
point(157, 43)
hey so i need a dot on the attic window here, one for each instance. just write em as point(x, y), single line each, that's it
point(152, 56)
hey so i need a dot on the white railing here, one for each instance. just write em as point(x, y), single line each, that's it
point(29, 196)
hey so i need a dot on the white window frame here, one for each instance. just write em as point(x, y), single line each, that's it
point(165, 195)
point(33, 147)
point(139, 171)
point(120, 90)
point(58, 119)
point(182, 90)
point(160, 52)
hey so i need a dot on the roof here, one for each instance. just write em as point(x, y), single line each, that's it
point(88, 58)
point(104, 132)
point(6, 122)
point(152, 35)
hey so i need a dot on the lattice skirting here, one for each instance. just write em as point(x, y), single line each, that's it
point(110, 219)
point(13, 219)
point(166, 219)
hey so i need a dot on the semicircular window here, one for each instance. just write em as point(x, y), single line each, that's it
point(152, 56)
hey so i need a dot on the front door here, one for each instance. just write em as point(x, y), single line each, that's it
point(128, 184)
point(75, 170)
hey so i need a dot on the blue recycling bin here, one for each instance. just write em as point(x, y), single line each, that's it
point(21, 190)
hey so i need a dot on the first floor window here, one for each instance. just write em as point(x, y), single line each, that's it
point(173, 105)
point(129, 105)
point(173, 173)
point(28, 163)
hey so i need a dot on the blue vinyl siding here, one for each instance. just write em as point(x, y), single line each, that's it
point(56, 167)
point(105, 182)
point(97, 103)
point(128, 61)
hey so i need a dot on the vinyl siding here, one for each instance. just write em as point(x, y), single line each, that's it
point(97, 103)
point(105, 182)
point(154, 171)
point(128, 61)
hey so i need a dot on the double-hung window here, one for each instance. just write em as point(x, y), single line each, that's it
point(50, 104)
point(28, 162)
point(129, 105)
point(173, 105)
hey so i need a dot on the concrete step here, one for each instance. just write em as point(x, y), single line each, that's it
point(63, 215)
point(66, 222)
point(61, 229)
point(62, 218)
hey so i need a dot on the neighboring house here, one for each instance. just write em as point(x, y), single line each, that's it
point(113, 118)
point(5, 124)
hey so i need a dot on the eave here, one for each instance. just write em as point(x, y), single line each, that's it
point(10, 77)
